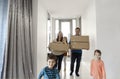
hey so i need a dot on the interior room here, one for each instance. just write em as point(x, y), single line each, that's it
point(27, 27)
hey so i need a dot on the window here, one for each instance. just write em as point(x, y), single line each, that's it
point(73, 26)
point(56, 27)
point(67, 26)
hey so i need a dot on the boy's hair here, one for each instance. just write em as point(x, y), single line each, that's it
point(98, 51)
point(77, 28)
point(51, 56)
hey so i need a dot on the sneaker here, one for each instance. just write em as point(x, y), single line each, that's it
point(71, 73)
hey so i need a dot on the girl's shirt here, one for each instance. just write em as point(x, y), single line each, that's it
point(97, 69)
point(49, 73)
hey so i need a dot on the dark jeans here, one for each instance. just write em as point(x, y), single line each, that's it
point(59, 62)
point(77, 57)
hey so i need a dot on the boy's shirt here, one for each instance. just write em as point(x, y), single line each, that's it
point(49, 73)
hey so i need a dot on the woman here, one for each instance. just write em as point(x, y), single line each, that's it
point(59, 55)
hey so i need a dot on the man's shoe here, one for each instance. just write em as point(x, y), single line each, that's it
point(77, 74)
point(71, 73)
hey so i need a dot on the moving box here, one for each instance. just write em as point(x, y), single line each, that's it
point(58, 47)
point(79, 42)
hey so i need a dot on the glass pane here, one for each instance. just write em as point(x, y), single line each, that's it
point(65, 28)
point(73, 26)
point(48, 33)
point(56, 27)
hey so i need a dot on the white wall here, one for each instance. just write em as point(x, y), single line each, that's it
point(41, 37)
point(89, 28)
point(108, 31)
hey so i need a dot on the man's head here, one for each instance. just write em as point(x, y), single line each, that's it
point(51, 60)
point(77, 31)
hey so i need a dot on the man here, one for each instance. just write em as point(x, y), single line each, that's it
point(76, 55)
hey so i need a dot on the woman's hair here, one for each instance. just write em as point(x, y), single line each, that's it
point(66, 39)
point(51, 56)
point(61, 39)
point(98, 51)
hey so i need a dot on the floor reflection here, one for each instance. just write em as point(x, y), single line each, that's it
point(84, 71)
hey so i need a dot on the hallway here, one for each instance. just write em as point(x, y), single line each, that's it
point(98, 19)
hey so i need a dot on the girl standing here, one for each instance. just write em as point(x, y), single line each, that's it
point(97, 66)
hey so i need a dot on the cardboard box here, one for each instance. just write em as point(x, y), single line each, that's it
point(79, 45)
point(80, 42)
point(58, 47)
point(80, 38)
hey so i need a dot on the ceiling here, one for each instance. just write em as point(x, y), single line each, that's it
point(65, 8)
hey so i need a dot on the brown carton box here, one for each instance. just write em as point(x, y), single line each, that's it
point(80, 38)
point(58, 47)
point(79, 45)
point(80, 42)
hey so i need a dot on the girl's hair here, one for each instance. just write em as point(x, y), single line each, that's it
point(98, 51)
point(61, 39)
point(51, 56)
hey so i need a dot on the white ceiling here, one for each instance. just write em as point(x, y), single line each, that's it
point(65, 8)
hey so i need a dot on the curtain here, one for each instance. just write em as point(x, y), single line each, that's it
point(18, 50)
point(3, 29)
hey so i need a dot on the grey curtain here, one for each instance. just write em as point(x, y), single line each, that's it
point(18, 52)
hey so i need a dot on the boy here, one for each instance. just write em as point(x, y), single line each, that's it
point(49, 72)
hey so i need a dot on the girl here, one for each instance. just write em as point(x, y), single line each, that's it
point(97, 66)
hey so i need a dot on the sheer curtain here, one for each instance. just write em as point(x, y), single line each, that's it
point(18, 52)
point(3, 29)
